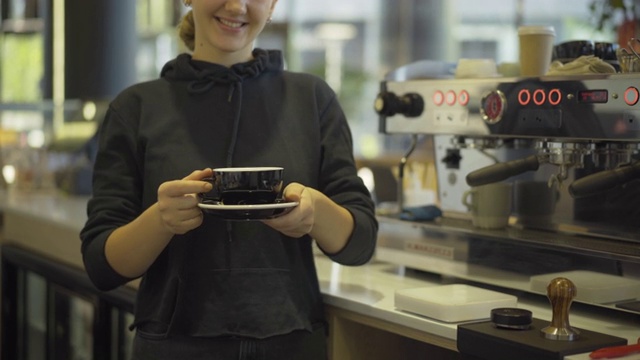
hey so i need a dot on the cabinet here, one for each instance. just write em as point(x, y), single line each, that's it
point(40, 255)
point(358, 337)
point(51, 311)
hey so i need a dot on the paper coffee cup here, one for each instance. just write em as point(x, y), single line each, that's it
point(536, 48)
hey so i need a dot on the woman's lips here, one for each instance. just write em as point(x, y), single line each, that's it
point(231, 24)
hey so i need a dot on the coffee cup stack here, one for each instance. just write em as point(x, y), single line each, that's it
point(491, 206)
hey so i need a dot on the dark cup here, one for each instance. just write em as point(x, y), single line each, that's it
point(606, 51)
point(245, 185)
point(571, 50)
point(534, 202)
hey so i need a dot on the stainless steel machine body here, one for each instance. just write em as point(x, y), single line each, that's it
point(580, 134)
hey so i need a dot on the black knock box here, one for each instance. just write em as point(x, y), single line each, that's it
point(484, 341)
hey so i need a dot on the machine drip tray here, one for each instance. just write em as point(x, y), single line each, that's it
point(561, 238)
point(484, 341)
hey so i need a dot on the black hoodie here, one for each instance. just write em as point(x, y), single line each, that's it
point(224, 278)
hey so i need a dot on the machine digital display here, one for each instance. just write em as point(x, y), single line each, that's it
point(593, 96)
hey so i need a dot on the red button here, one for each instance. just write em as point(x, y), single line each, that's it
point(463, 98)
point(555, 96)
point(539, 97)
point(450, 97)
point(438, 97)
point(524, 96)
point(631, 95)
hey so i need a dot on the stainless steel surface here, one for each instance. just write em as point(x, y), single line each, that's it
point(575, 126)
point(582, 130)
point(578, 108)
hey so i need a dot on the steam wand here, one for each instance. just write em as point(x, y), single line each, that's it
point(403, 162)
point(560, 177)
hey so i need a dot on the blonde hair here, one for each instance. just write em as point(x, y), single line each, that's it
point(187, 30)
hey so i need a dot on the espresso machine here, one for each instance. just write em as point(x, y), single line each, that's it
point(580, 134)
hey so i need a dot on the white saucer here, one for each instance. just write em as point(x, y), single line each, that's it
point(248, 212)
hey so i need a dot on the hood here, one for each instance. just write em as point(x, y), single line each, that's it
point(202, 75)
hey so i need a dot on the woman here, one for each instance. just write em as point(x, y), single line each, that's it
point(213, 288)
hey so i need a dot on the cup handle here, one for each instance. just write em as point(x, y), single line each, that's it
point(465, 199)
point(213, 194)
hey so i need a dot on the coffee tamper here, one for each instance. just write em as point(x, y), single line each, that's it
point(560, 292)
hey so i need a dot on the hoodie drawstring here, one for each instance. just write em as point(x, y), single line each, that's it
point(234, 139)
point(209, 79)
point(236, 125)
point(206, 80)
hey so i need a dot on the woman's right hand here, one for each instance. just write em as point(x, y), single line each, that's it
point(178, 201)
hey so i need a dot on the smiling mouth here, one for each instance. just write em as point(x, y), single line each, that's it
point(231, 24)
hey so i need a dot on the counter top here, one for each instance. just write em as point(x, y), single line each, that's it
point(370, 290)
point(47, 223)
point(367, 290)
point(68, 211)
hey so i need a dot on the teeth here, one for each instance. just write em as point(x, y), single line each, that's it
point(231, 24)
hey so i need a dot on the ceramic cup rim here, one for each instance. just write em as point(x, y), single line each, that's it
point(537, 30)
point(248, 169)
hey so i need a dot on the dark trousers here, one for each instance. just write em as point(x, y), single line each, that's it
point(298, 345)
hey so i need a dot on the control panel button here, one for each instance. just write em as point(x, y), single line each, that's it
point(631, 95)
point(539, 97)
point(438, 98)
point(524, 97)
point(555, 96)
point(463, 98)
point(450, 97)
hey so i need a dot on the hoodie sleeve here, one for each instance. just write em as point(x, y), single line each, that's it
point(342, 184)
point(115, 200)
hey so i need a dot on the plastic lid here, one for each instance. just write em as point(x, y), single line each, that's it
point(536, 29)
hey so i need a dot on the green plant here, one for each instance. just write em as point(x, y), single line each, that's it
point(610, 14)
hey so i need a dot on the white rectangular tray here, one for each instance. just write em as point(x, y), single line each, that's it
point(591, 286)
point(452, 303)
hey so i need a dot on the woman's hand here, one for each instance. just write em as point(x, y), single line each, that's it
point(175, 212)
point(178, 202)
point(300, 220)
point(328, 223)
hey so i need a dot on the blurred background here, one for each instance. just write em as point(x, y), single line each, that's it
point(61, 61)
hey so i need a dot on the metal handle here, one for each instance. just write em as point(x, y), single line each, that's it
point(604, 180)
point(560, 292)
point(502, 171)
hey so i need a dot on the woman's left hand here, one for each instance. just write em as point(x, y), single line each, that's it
point(300, 220)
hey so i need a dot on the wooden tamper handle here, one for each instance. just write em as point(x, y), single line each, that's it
point(560, 292)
